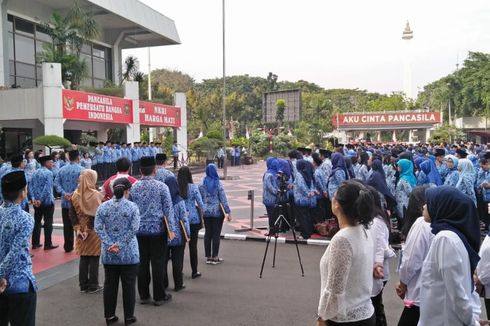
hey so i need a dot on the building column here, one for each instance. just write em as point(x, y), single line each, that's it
point(52, 99)
point(4, 46)
point(181, 102)
point(131, 91)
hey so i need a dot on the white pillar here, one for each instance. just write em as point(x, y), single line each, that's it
point(52, 99)
point(181, 101)
point(131, 91)
point(4, 46)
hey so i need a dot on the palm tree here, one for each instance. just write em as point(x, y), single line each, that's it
point(130, 69)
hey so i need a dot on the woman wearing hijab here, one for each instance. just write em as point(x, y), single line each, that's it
point(321, 185)
point(305, 197)
point(430, 170)
point(339, 174)
point(446, 293)
point(215, 211)
point(85, 201)
point(419, 174)
point(390, 174)
point(193, 203)
point(348, 166)
point(364, 169)
point(117, 221)
point(176, 246)
point(405, 184)
point(452, 175)
point(270, 189)
point(377, 180)
point(467, 178)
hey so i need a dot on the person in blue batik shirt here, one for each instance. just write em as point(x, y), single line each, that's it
point(482, 187)
point(99, 158)
point(30, 164)
point(155, 205)
point(323, 207)
point(41, 190)
point(270, 189)
point(339, 174)
point(107, 159)
point(176, 246)
point(18, 285)
point(215, 211)
point(115, 154)
point(467, 178)
point(162, 173)
point(405, 185)
point(175, 153)
point(431, 173)
point(135, 158)
point(305, 197)
point(86, 161)
point(116, 222)
point(17, 163)
point(440, 164)
point(66, 182)
point(194, 204)
point(452, 175)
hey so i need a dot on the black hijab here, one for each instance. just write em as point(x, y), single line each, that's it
point(452, 210)
point(306, 170)
point(377, 180)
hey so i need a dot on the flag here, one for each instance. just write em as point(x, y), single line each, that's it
point(394, 136)
point(247, 133)
point(200, 134)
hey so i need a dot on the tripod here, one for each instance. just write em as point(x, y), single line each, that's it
point(274, 232)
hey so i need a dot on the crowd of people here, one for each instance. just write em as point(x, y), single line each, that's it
point(432, 197)
point(141, 218)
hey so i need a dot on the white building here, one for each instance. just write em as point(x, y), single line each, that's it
point(31, 102)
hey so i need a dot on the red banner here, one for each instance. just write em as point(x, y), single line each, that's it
point(94, 107)
point(155, 114)
point(386, 119)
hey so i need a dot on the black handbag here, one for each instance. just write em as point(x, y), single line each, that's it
point(201, 217)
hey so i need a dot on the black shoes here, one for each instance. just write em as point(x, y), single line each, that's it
point(112, 320)
point(179, 288)
point(35, 246)
point(166, 299)
point(50, 247)
point(130, 321)
point(196, 275)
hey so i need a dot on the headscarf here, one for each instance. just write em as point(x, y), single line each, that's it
point(306, 170)
point(406, 172)
point(272, 165)
point(474, 160)
point(86, 195)
point(430, 170)
point(454, 159)
point(284, 167)
point(338, 162)
point(173, 187)
point(466, 167)
point(211, 180)
point(418, 161)
point(348, 166)
point(450, 209)
point(377, 180)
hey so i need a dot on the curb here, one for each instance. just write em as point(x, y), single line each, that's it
point(244, 237)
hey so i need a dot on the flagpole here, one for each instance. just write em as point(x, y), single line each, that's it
point(225, 170)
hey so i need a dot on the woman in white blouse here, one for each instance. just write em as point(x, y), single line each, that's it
point(346, 267)
point(447, 295)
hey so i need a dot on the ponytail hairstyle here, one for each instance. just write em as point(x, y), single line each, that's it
point(184, 177)
point(379, 210)
point(357, 202)
point(120, 186)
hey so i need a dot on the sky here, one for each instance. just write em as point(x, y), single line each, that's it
point(335, 44)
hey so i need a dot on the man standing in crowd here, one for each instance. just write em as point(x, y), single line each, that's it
point(175, 154)
point(66, 182)
point(123, 165)
point(107, 158)
point(115, 154)
point(99, 157)
point(161, 172)
point(156, 214)
point(236, 155)
point(41, 190)
point(440, 153)
point(17, 163)
point(221, 157)
point(17, 282)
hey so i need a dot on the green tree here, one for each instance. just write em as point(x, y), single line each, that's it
point(280, 108)
point(51, 141)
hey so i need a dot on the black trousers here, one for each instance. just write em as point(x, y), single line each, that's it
point(410, 316)
point(176, 159)
point(220, 162)
point(67, 230)
point(127, 274)
point(88, 272)
point(153, 250)
point(482, 209)
point(40, 213)
point(106, 170)
point(212, 235)
point(193, 253)
point(18, 309)
point(366, 322)
point(379, 309)
point(271, 215)
point(176, 254)
point(305, 220)
point(135, 169)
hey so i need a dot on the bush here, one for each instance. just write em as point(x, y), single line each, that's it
point(215, 134)
point(51, 141)
point(206, 146)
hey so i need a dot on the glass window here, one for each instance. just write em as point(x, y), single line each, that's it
point(88, 62)
point(99, 68)
point(25, 82)
point(86, 48)
point(24, 27)
point(98, 83)
point(87, 82)
point(11, 46)
point(24, 49)
point(40, 49)
point(25, 70)
point(98, 51)
point(42, 34)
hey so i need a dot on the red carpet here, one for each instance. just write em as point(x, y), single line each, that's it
point(47, 259)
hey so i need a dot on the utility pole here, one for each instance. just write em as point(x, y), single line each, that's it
point(225, 170)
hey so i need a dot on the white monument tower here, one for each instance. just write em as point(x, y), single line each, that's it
point(407, 36)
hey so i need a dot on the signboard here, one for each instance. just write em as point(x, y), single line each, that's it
point(386, 119)
point(292, 111)
point(161, 115)
point(98, 108)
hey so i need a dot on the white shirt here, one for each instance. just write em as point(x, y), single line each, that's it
point(483, 267)
point(382, 252)
point(414, 252)
point(346, 270)
point(446, 296)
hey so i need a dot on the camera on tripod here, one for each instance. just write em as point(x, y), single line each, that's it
point(283, 185)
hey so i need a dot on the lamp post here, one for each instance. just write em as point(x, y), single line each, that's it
point(225, 170)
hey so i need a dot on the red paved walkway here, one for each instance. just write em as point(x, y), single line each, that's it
point(47, 259)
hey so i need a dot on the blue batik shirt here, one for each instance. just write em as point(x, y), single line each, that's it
point(99, 154)
point(452, 178)
point(117, 221)
point(118, 153)
point(402, 194)
point(154, 202)
point(321, 182)
point(482, 177)
point(41, 187)
point(180, 212)
point(212, 202)
point(30, 168)
point(162, 174)
point(67, 181)
point(334, 181)
point(442, 169)
point(7, 170)
point(15, 260)
point(301, 190)
point(193, 198)
point(135, 154)
point(114, 155)
point(107, 154)
point(270, 190)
